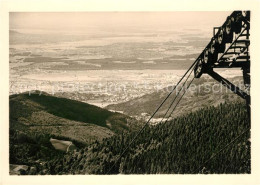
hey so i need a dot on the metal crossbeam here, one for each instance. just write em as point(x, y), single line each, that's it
point(228, 84)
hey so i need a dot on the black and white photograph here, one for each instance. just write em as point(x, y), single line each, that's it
point(130, 93)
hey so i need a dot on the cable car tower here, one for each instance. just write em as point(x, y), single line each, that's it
point(229, 48)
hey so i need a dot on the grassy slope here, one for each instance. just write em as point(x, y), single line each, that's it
point(46, 110)
point(35, 119)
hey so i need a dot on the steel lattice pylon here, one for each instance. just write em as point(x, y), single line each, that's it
point(229, 48)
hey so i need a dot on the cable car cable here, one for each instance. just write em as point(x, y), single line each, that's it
point(215, 154)
point(176, 96)
point(152, 116)
point(179, 100)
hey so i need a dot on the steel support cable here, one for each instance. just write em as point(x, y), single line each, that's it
point(179, 100)
point(152, 115)
point(176, 96)
point(216, 153)
point(176, 104)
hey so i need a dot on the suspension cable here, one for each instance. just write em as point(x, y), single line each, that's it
point(179, 100)
point(151, 116)
point(176, 97)
point(216, 153)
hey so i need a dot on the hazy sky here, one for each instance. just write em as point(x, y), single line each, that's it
point(81, 20)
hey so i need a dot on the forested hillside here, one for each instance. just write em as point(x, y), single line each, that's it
point(36, 118)
point(177, 147)
point(205, 91)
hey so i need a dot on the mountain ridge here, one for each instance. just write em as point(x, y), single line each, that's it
point(43, 110)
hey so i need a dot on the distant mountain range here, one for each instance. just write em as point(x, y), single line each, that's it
point(13, 32)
